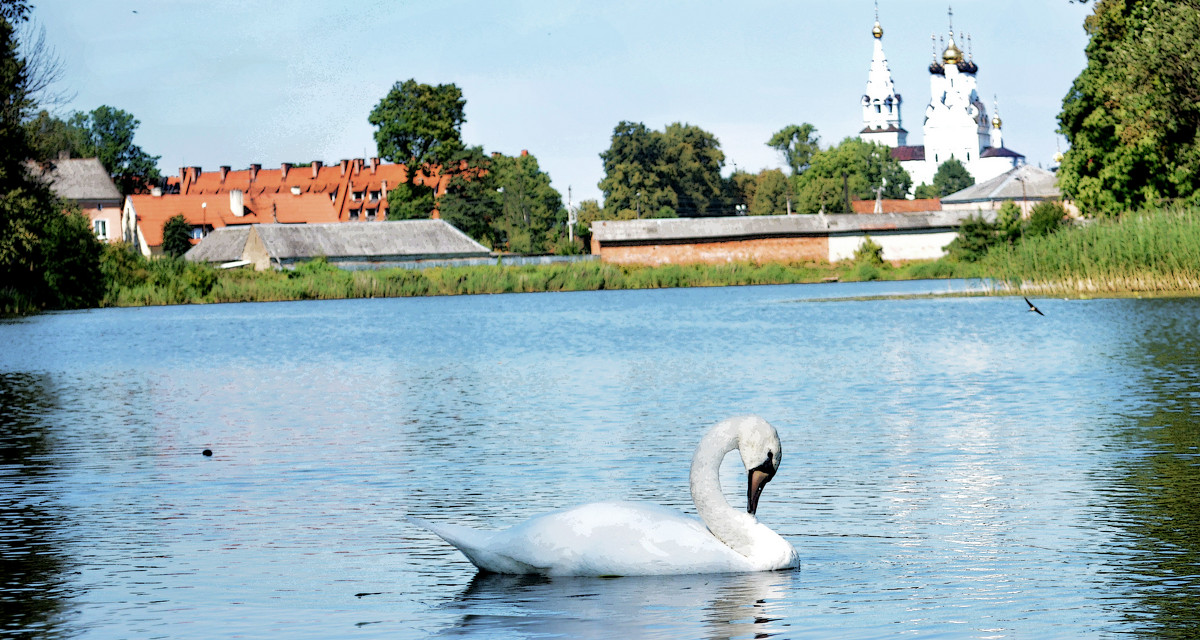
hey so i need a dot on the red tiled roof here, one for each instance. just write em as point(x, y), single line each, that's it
point(214, 210)
point(920, 205)
point(335, 182)
point(903, 154)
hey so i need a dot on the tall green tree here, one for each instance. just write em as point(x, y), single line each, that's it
point(108, 135)
point(853, 169)
point(410, 201)
point(633, 179)
point(664, 174)
point(951, 177)
point(798, 143)
point(771, 194)
point(177, 235)
point(1132, 116)
point(419, 125)
point(47, 258)
point(532, 215)
point(473, 201)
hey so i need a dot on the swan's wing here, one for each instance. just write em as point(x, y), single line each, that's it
point(476, 546)
point(617, 538)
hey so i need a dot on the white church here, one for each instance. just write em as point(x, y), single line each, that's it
point(956, 121)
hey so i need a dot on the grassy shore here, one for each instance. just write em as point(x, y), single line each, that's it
point(1153, 252)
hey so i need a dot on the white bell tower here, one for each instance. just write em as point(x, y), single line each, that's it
point(881, 103)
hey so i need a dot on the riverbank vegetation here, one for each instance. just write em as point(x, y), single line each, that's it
point(1152, 252)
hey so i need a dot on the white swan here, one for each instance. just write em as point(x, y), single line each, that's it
point(628, 538)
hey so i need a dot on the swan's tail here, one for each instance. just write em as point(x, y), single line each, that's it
point(478, 546)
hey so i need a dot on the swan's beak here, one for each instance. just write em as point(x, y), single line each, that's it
point(757, 479)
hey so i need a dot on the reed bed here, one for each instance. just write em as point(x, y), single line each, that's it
point(1151, 252)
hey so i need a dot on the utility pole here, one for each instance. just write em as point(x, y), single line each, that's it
point(572, 218)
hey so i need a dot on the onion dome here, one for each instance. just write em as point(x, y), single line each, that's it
point(968, 66)
point(952, 54)
point(996, 122)
point(877, 30)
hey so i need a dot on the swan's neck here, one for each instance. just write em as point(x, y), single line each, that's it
point(729, 525)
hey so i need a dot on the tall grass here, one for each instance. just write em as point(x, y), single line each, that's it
point(1151, 251)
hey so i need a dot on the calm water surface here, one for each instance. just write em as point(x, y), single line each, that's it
point(953, 467)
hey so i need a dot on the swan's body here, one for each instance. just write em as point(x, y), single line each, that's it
point(629, 538)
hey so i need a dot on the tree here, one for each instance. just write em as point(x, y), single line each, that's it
point(926, 191)
point(632, 177)
point(1045, 218)
point(1132, 116)
point(951, 177)
point(107, 134)
point(532, 215)
point(410, 201)
point(46, 259)
point(177, 235)
point(419, 125)
point(770, 194)
point(976, 236)
point(855, 166)
point(663, 174)
point(798, 144)
point(472, 201)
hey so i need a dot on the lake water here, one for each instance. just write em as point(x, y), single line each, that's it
point(953, 467)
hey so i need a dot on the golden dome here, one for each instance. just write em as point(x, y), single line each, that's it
point(877, 31)
point(952, 54)
point(996, 121)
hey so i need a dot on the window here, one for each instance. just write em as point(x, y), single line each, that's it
point(370, 214)
point(354, 214)
point(375, 195)
point(197, 233)
point(356, 195)
point(101, 228)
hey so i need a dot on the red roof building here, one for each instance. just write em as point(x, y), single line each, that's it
point(350, 191)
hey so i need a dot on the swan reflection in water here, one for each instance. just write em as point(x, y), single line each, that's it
point(717, 606)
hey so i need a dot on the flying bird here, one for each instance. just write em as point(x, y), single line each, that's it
point(1033, 308)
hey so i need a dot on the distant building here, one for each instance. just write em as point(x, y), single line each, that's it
point(350, 191)
point(956, 121)
point(356, 188)
point(1025, 185)
point(85, 182)
point(349, 246)
point(144, 216)
point(818, 238)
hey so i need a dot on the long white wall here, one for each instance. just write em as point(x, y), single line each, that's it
point(896, 246)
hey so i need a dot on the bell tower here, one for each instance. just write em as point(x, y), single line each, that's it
point(881, 103)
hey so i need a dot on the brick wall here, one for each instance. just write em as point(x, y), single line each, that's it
point(795, 249)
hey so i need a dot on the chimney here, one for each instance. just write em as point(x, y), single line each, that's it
point(254, 169)
point(224, 172)
point(524, 152)
point(237, 203)
point(374, 165)
point(195, 173)
point(283, 169)
point(316, 167)
point(357, 163)
point(344, 164)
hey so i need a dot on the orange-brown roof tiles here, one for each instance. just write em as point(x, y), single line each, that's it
point(154, 211)
point(898, 205)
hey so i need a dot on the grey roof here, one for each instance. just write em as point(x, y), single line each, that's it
point(680, 229)
point(78, 179)
point(409, 239)
point(1023, 182)
point(221, 245)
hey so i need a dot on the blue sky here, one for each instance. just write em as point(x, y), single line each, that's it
point(220, 82)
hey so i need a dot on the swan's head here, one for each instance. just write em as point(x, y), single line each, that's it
point(761, 454)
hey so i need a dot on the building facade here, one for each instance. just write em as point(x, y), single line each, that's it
point(956, 121)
